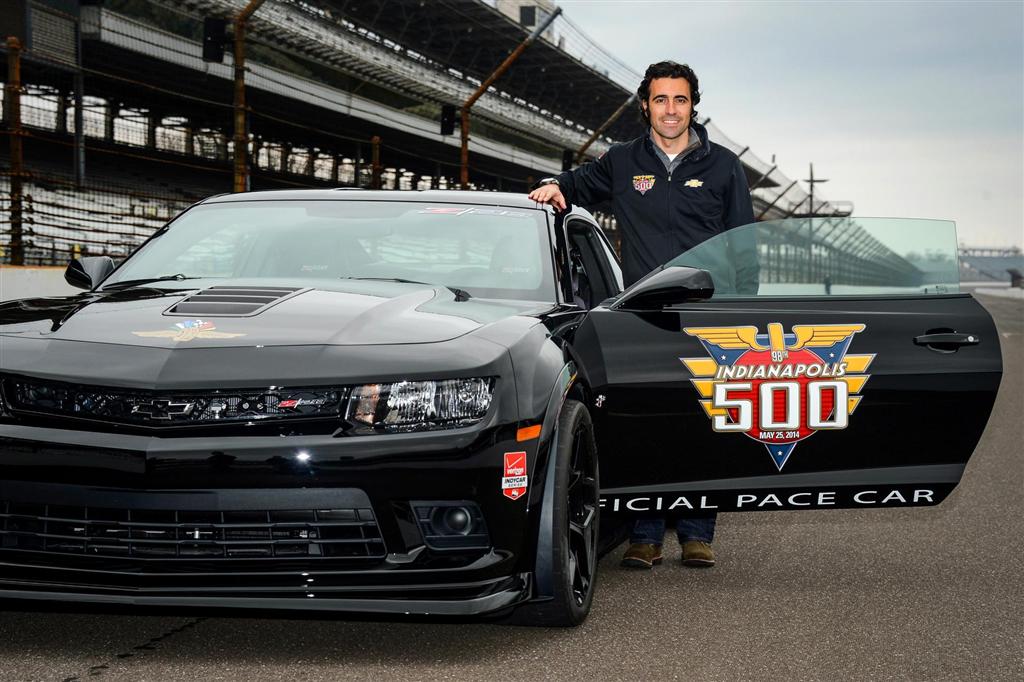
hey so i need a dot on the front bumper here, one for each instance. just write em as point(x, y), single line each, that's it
point(61, 489)
point(460, 600)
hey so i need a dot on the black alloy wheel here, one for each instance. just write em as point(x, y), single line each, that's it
point(583, 512)
point(575, 521)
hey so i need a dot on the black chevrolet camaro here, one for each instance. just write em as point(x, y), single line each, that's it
point(425, 402)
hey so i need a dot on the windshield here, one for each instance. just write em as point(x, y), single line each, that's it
point(831, 257)
point(488, 251)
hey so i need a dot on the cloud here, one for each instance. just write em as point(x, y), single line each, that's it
point(972, 182)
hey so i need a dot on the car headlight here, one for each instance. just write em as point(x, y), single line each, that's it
point(420, 405)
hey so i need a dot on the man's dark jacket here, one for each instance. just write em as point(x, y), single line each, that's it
point(661, 215)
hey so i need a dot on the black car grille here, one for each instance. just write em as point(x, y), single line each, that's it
point(152, 408)
point(190, 535)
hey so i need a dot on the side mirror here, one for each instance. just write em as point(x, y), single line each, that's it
point(670, 286)
point(87, 272)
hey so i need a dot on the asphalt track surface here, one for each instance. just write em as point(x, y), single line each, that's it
point(901, 594)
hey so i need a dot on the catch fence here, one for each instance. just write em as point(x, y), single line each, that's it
point(113, 124)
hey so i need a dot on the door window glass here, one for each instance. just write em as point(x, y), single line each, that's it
point(593, 280)
point(831, 257)
point(612, 260)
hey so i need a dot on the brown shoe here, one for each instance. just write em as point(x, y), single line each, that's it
point(641, 555)
point(698, 554)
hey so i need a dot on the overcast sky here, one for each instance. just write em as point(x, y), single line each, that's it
point(910, 109)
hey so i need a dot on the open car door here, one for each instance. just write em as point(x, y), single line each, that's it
point(836, 364)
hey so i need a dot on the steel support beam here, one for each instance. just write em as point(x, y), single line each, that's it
point(15, 132)
point(241, 137)
point(776, 200)
point(80, 128)
point(375, 162)
point(502, 68)
point(605, 126)
point(754, 185)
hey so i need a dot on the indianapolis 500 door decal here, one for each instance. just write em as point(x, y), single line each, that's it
point(778, 388)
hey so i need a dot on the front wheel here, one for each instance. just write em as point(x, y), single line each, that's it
point(575, 521)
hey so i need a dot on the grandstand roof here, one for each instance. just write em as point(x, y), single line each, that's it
point(475, 38)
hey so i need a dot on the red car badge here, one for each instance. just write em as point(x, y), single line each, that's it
point(514, 479)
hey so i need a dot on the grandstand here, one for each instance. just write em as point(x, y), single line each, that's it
point(123, 123)
point(989, 264)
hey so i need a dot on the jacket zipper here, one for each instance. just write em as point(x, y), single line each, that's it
point(668, 202)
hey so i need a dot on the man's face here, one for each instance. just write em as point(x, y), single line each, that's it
point(670, 106)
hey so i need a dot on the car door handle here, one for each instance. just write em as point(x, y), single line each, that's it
point(946, 341)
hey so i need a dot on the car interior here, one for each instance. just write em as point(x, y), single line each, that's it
point(592, 278)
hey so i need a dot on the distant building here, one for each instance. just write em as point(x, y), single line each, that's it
point(530, 14)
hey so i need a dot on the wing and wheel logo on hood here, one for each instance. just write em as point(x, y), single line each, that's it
point(778, 388)
point(187, 330)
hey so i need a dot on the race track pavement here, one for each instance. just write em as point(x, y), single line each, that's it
point(907, 594)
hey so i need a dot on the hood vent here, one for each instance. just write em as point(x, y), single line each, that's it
point(232, 301)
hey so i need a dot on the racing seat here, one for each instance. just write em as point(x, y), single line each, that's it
point(582, 292)
point(513, 266)
point(313, 256)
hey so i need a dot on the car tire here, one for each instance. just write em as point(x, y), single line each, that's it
point(575, 524)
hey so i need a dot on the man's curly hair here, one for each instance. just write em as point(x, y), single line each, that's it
point(666, 69)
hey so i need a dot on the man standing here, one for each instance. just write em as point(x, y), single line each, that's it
point(670, 190)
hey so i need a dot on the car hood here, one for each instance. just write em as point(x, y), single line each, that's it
point(362, 313)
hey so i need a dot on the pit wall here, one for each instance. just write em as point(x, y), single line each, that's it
point(33, 281)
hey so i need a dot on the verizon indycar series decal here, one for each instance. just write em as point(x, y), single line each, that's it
point(514, 480)
point(778, 388)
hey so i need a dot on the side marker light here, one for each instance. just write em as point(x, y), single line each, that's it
point(528, 433)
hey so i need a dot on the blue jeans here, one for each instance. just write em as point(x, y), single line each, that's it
point(652, 531)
